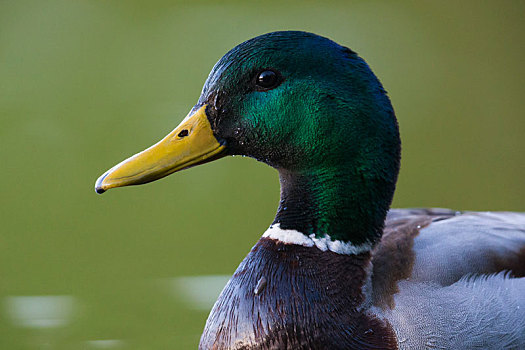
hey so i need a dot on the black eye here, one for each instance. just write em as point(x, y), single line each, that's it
point(267, 79)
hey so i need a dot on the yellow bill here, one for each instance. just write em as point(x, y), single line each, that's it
point(191, 143)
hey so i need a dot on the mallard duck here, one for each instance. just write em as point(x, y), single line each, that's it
point(337, 269)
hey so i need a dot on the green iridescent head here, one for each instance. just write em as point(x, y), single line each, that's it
point(324, 106)
point(313, 110)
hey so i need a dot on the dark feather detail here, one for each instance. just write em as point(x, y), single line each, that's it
point(515, 263)
point(311, 301)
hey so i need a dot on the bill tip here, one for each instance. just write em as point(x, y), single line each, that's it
point(99, 188)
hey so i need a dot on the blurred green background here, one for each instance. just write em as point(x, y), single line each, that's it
point(84, 84)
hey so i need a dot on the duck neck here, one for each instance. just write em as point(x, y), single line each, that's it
point(347, 207)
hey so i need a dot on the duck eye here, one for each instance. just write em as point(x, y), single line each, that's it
point(267, 79)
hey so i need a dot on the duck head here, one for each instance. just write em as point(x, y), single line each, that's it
point(306, 106)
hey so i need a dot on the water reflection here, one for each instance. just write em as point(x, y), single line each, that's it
point(103, 321)
point(105, 344)
point(41, 311)
point(199, 292)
